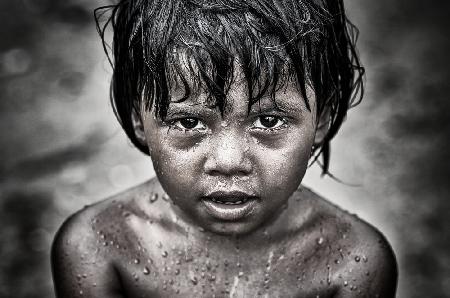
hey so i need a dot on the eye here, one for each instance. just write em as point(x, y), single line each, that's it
point(269, 122)
point(189, 123)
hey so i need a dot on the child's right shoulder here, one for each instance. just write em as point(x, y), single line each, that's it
point(107, 212)
point(83, 245)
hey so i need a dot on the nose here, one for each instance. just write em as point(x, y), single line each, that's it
point(228, 155)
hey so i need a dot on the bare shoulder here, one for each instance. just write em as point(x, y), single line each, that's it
point(363, 263)
point(79, 264)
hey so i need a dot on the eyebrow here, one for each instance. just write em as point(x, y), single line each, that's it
point(183, 108)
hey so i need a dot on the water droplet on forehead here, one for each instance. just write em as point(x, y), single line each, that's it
point(357, 259)
point(146, 271)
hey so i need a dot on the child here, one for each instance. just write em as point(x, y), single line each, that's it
point(230, 99)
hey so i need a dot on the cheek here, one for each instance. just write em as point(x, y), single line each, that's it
point(176, 169)
point(283, 169)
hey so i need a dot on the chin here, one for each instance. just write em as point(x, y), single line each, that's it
point(232, 228)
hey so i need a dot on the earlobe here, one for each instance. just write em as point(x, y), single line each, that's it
point(138, 127)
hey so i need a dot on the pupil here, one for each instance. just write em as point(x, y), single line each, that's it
point(268, 121)
point(189, 123)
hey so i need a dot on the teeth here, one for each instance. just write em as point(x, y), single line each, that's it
point(229, 203)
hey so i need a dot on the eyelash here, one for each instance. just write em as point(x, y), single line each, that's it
point(173, 124)
point(283, 124)
point(179, 126)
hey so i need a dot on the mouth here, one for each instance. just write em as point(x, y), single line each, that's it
point(229, 206)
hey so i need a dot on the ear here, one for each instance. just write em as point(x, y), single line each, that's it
point(138, 127)
point(322, 127)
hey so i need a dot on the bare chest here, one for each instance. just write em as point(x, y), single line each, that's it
point(198, 272)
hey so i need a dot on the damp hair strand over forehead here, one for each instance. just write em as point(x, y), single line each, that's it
point(195, 45)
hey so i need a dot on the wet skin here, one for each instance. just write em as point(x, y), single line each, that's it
point(226, 216)
point(127, 246)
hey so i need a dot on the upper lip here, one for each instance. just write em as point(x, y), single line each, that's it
point(226, 196)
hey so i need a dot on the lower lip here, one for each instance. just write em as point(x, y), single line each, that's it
point(229, 212)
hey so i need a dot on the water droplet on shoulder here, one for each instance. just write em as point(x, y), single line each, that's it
point(146, 270)
point(153, 198)
point(194, 280)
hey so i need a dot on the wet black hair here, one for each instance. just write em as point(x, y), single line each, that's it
point(195, 44)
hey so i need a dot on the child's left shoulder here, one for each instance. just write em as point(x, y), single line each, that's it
point(359, 258)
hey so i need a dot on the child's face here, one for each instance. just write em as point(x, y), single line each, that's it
point(232, 174)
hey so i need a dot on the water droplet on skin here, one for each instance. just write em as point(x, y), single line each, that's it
point(212, 278)
point(136, 261)
point(177, 271)
point(146, 271)
point(194, 280)
point(345, 283)
point(94, 284)
point(329, 275)
point(357, 259)
point(165, 254)
point(320, 240)
point(365, 259)
point(240, 274)
point(336, 261)
point(81, 292)
point(165, 197)
point(153, 198)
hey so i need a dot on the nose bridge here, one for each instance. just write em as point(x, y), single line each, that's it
point(228, 154)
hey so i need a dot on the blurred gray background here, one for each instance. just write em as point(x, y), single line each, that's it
point(61, 148)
